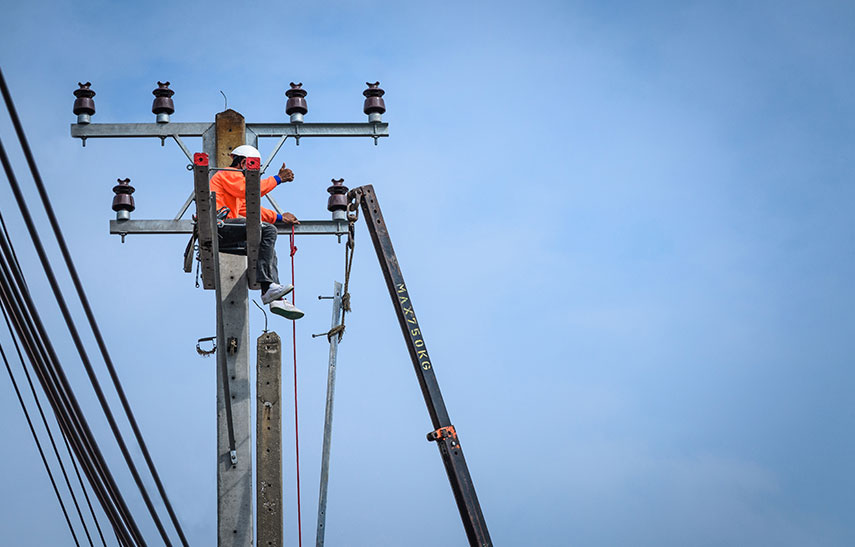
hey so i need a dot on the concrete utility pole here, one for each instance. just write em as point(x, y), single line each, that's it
point(234, 475)
point(268, 433)
point(229, 130)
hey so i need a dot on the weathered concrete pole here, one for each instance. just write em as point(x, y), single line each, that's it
point(268, 435)
point(234, 481)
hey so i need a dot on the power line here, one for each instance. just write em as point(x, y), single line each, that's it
point(50, 434)
point(42, 454)
point(16, 299)
point(93, 325)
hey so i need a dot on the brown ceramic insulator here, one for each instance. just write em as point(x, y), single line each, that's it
point(374, 103)
point(296, 100)
point(163, 103)
point(84, 104)
point(123, 201)
point(338, 196)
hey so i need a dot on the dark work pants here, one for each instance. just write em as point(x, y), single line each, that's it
point(232, 240)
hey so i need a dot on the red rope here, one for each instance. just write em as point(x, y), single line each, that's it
point(296, 421)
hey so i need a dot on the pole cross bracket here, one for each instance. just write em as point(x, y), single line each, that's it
point(443, 433)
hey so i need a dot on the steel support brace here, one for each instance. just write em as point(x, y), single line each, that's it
point(446, 436)
point(252, 175)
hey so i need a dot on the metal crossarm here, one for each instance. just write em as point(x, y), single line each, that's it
point(192, 129)
point(161, 227)
point(204, 212)
point(444, 433)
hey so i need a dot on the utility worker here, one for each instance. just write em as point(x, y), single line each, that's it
point(230, 186)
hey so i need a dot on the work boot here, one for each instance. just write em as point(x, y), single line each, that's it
point(276, 291)
point(286, 309)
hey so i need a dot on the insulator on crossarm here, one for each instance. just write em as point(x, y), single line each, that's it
point(123, 202)
point(296, 106)
point(337, 203)
point(374, 105)
point(163, 104)
point(84, 105)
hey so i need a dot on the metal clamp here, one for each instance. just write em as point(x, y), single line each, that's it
point(206, 353)
point(442, 433)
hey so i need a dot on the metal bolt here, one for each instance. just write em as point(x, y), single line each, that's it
point(123, 202)
point(84, 105)
point(163, 104)
point(296, 106)
point(374, 105)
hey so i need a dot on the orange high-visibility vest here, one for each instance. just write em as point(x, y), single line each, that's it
point(230, 186)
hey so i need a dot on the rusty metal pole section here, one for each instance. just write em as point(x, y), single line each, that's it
point(444, 433)
point(268, 434)
point(234, 480)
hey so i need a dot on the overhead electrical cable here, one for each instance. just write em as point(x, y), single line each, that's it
point(60, 411)
point(42, 454)
point(69, 422)
point(31, 329)
point(50, 434)
point(46, 426)
point(48, 270)
point(6, 233)
point(95, 330)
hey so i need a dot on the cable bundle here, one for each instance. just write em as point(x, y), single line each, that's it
point(32, 340)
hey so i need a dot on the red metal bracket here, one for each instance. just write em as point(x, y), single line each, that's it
point(200, 158)
point(442, 433)
point(253, 164)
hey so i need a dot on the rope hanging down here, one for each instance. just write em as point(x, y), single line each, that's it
point(296, 421)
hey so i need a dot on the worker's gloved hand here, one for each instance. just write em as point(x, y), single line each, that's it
point(286, 174)
point(288, 218)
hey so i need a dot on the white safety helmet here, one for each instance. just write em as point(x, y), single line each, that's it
point(246, 151)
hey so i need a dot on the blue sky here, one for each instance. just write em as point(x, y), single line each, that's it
point(626, 229)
